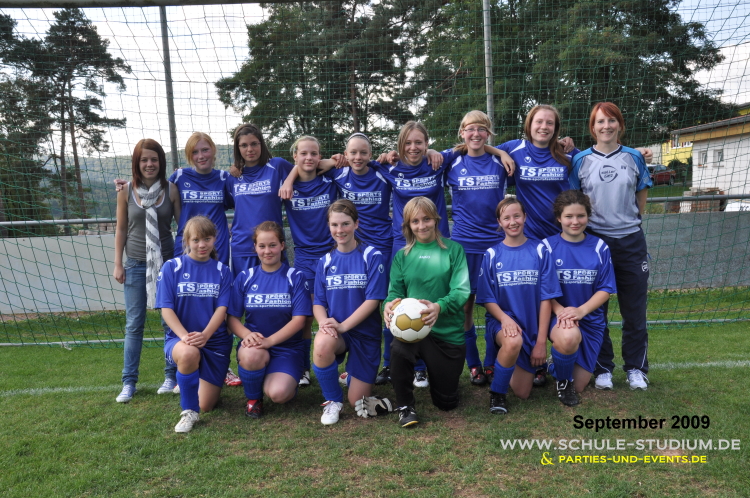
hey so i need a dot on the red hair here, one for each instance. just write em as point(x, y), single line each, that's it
point(611, 111)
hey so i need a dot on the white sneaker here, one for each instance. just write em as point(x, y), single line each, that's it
point(305, 379)
point(420, 379)
point(637, 379)
point(604, 381)
point(167, 386)
point(128, 390)
point(331, 412)
point(176, 389)
point(342, 378)
point(188, 418)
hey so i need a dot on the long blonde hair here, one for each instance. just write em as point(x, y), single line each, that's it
point(411, 209)
point(404, 133)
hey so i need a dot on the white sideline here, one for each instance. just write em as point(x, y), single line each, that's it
point(116, 387)
point(38, 391)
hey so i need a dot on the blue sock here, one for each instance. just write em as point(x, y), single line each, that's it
point(564, 364)
point(387, 340)
point(252, 382)
point(501, 380)
point(420, 366)
point(189, 384)
point(490, 349)
point(328, 378)
point(472, 353)
point(306, 349)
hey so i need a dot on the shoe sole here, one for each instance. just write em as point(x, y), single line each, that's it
point(409, 424)
point(123, 400)
point(498, 411)
point(603, 388)
point(253, 415)
point(638, 388)
point(421, 384)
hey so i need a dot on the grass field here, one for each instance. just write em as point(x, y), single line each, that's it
point(63, 434)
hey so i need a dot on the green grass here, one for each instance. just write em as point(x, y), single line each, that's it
point(69, 438)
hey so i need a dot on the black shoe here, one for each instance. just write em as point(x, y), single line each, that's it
point(477, 376)
point(407, 416)
point(383, 377)
point(566, 393)
point(498, 403)
point(540, 378)
point(254, 408)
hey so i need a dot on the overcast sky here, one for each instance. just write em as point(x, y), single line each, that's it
point(210, 42)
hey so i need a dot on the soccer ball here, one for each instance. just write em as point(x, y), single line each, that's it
point(407, 324)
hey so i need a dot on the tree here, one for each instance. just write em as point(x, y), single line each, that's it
point(336, 76)
point(24, 125)
point(639, 54)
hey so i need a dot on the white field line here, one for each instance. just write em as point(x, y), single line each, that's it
point(115, 388)
point(39, 391)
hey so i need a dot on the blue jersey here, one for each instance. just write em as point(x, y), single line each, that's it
point(270, 300)
point(539, 179)
point(477, 186)
point(344, 281)
point(611, 181)
point(409, 182)
point(194, 289)
point(518, 279)
point(255, 198)
point(203, 195)
point(371, 193)
point(307, 212)
point(583, 269)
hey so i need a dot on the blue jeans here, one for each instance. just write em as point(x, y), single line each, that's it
point(135, 319)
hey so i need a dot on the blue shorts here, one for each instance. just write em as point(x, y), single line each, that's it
point(524, 355)
point(215, 356)
point(307, 266)
point(591, 343)
point(363, 356)
point(474, 262)
point(286, 359)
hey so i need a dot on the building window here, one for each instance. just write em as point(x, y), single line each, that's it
point(675, 141)
point(718, 157)
point(703, 159)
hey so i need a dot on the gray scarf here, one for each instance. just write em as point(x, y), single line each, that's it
point(153, 242)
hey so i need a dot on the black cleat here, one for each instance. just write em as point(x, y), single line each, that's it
point(383, 377)
point(407, 416)
point(566, 393)
point(498, 403)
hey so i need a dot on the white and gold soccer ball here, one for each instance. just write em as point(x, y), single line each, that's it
point(407, 324)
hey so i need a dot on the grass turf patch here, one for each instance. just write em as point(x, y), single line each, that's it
point(69, 438)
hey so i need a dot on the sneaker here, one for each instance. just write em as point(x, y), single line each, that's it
point(383, 377)
point(188, 418)
point(305, 379)
point(128, 390)
point(637, 379)
point(176, 389)
point(231, 379)
point(342, 378)
point(604, 381)
point(566, 393)
point(331, 412)
point(420, 379)
point(167, 387)
point(540, 378)
point(477, 377)
point(498, 403)
point(254, 408)
point(489, 374)
point(407, 416)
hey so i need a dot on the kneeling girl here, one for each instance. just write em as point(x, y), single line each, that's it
point(193, 292)
point(517, 282)
point(275, 303)
point(350, 283)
